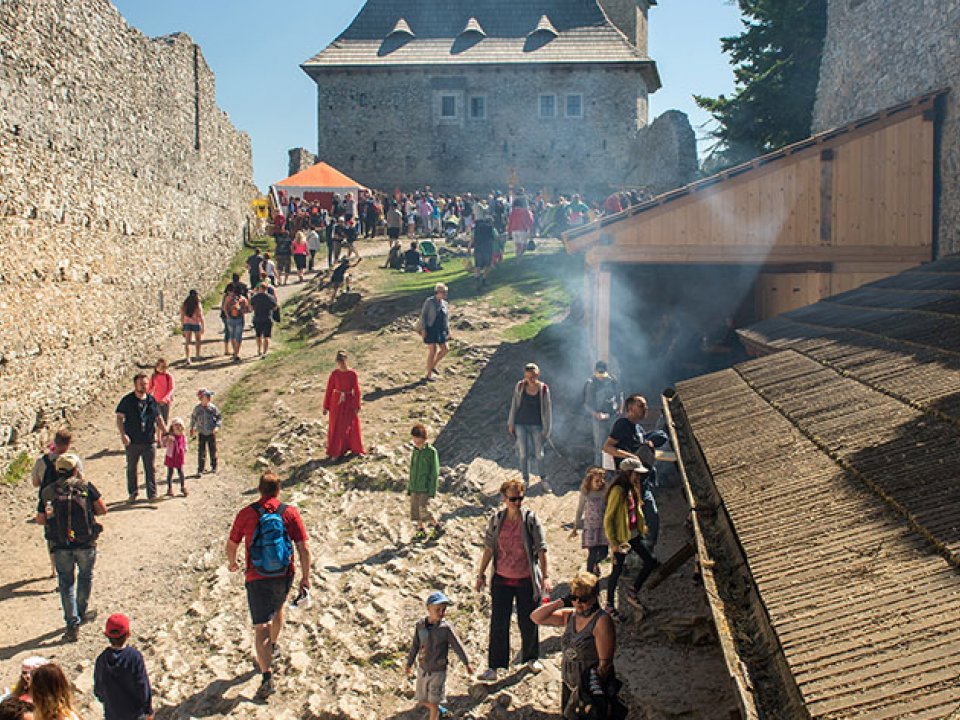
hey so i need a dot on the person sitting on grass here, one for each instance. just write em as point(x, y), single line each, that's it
point(424, 472)
point(432, 639)
point(412, 259)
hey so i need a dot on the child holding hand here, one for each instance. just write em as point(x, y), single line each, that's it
point(175, 456)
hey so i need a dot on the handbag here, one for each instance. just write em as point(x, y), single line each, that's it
point(531, 245)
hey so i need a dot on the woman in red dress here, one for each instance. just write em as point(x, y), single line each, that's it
point(342, 402)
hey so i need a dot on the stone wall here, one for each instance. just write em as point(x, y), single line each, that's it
point(879, 53)
point(122, 185)
point(384, 128)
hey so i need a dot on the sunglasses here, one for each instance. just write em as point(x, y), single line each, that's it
point(515, 499)
point(581, 598)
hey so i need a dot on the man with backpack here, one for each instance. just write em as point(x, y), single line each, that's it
point(69, 507)
point(270, 530)
point(234, 308)
point(44, 473)
point(603, 402)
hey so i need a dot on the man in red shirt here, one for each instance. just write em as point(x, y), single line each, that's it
point(267, 594)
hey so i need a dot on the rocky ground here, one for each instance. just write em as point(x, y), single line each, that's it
point(342, 657)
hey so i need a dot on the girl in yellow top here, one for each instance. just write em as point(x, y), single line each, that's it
point(624, 526)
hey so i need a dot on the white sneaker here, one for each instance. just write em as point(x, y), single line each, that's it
point(490, 675)
point(535, 666)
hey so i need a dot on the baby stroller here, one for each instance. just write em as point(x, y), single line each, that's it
point(431, 258)
point(450, 227)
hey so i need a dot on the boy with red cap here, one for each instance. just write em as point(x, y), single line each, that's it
point(120, 679)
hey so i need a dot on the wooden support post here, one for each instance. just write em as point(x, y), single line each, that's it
point(601, 323)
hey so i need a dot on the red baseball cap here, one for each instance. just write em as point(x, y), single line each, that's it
point(118, 626)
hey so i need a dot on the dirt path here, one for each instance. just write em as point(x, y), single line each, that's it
point(141, 568)
point(341, 659)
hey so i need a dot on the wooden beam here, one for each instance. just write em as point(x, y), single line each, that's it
point(756, 255)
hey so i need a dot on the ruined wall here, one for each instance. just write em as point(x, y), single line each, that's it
point(879, 53)
point(386, 130)
point(121, 183)
point(299, 159)
point(664, 155)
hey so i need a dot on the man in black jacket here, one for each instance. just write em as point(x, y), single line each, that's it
point(603, 402)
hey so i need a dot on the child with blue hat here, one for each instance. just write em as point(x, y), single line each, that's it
point(432, 639)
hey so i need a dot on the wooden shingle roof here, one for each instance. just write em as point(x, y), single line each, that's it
point(834, 462)
point(583, 35)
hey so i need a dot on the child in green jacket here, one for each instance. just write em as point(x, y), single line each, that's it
point(424, 473)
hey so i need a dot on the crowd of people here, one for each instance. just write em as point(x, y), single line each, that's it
point(302, 227)
point(616, 514)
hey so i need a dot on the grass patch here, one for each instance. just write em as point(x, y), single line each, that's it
point(537, 286)
point(249, 388)
point(18, 469)
point(238, 264)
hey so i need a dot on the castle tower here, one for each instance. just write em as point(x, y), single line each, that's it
point(630, 18)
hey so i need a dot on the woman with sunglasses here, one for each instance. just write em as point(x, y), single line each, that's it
point(589, 636)
point(516, 545)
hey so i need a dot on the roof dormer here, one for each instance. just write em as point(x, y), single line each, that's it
point(401, 28)
point(544, 26)
point(473, 26)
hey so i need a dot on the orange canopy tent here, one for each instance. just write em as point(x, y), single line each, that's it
point(318, 183)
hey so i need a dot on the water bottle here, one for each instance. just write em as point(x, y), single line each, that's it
point(48, 509)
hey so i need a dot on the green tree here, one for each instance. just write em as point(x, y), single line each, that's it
point(776, 65)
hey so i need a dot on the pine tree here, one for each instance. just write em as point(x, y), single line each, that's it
point(776, 65)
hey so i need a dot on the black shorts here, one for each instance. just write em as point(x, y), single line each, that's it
point(482, 257)
point(263, 328)
point(301, 261)
point(266, 597)
point(283, 263)
point(393, 233)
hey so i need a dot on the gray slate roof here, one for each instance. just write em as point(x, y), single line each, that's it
point(585, 35)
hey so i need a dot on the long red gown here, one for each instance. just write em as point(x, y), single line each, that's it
point(342, 401)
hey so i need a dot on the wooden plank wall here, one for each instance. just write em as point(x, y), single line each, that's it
point(879, 184)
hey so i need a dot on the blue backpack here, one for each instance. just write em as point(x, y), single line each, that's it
point(270, 550)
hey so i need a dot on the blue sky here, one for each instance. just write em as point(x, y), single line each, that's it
point(256, 56)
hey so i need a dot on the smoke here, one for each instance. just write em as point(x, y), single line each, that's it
point(671, 322)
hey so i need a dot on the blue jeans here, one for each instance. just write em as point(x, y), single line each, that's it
point(529, 443)
point(234, 329)
point(74, 588)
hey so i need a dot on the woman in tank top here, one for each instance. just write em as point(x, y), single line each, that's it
point(589, 636)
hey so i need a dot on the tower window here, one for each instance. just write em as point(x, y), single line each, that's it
point(548, 107)
point(448, 107)
point(478, 107)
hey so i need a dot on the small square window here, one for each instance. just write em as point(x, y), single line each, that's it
point(548, 106)
point(448, 106)
point(574, 107)
point(478, 107)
